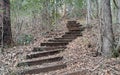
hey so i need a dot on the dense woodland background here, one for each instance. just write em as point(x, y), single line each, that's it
point(29, 22)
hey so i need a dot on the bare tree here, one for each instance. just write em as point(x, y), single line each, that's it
point(5, 23)
point(46, 15)
point(107, 31)
point(88, 11)
point(118, 16)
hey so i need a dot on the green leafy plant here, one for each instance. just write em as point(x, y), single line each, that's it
point(115, 53)
point(25, 39)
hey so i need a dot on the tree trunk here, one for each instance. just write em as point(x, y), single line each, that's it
point(118, 11)
point(1, 23)
point(46, 21)
point(64, 11)
point(5, 23)
point(97, 8)
point(107, 32)
point(88, 11)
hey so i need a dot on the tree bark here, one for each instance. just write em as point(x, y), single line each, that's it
point(118, 11)
point(5, 23)
point(88, 11)
point(107, 32)
point(64, 11)
point(46, 21)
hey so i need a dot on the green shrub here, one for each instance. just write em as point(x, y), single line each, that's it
point(115, 53)
point(25, 39)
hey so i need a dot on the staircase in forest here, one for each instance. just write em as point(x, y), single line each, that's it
point(47, 57)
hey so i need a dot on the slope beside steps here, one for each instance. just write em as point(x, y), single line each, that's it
point(47, 57)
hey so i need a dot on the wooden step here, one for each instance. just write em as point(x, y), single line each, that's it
point(71, 22)
point(47, 48)
point(54, 44)
point(72, 35)
point(76, 25)
point(43, 69)
point(60, 40)
point(64, 38)
point(68, 37)
point(75, 28)
point(73, 32)
point(82, 72)
point(43, 53)
point(72, 26)
point(40, 61)
point(71, 38)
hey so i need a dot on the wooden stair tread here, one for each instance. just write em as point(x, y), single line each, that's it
point(60, 40)
point(39, 61)
point(54, 44)
point(81, 72)
point(73, 33)
point(65, 38)
point(70, 35)
point(43, 53)
point(72, 26)
point(45, 68)
point(71, 22)
point(47, 48)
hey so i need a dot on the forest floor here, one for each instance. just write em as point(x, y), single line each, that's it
point(79, 55)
